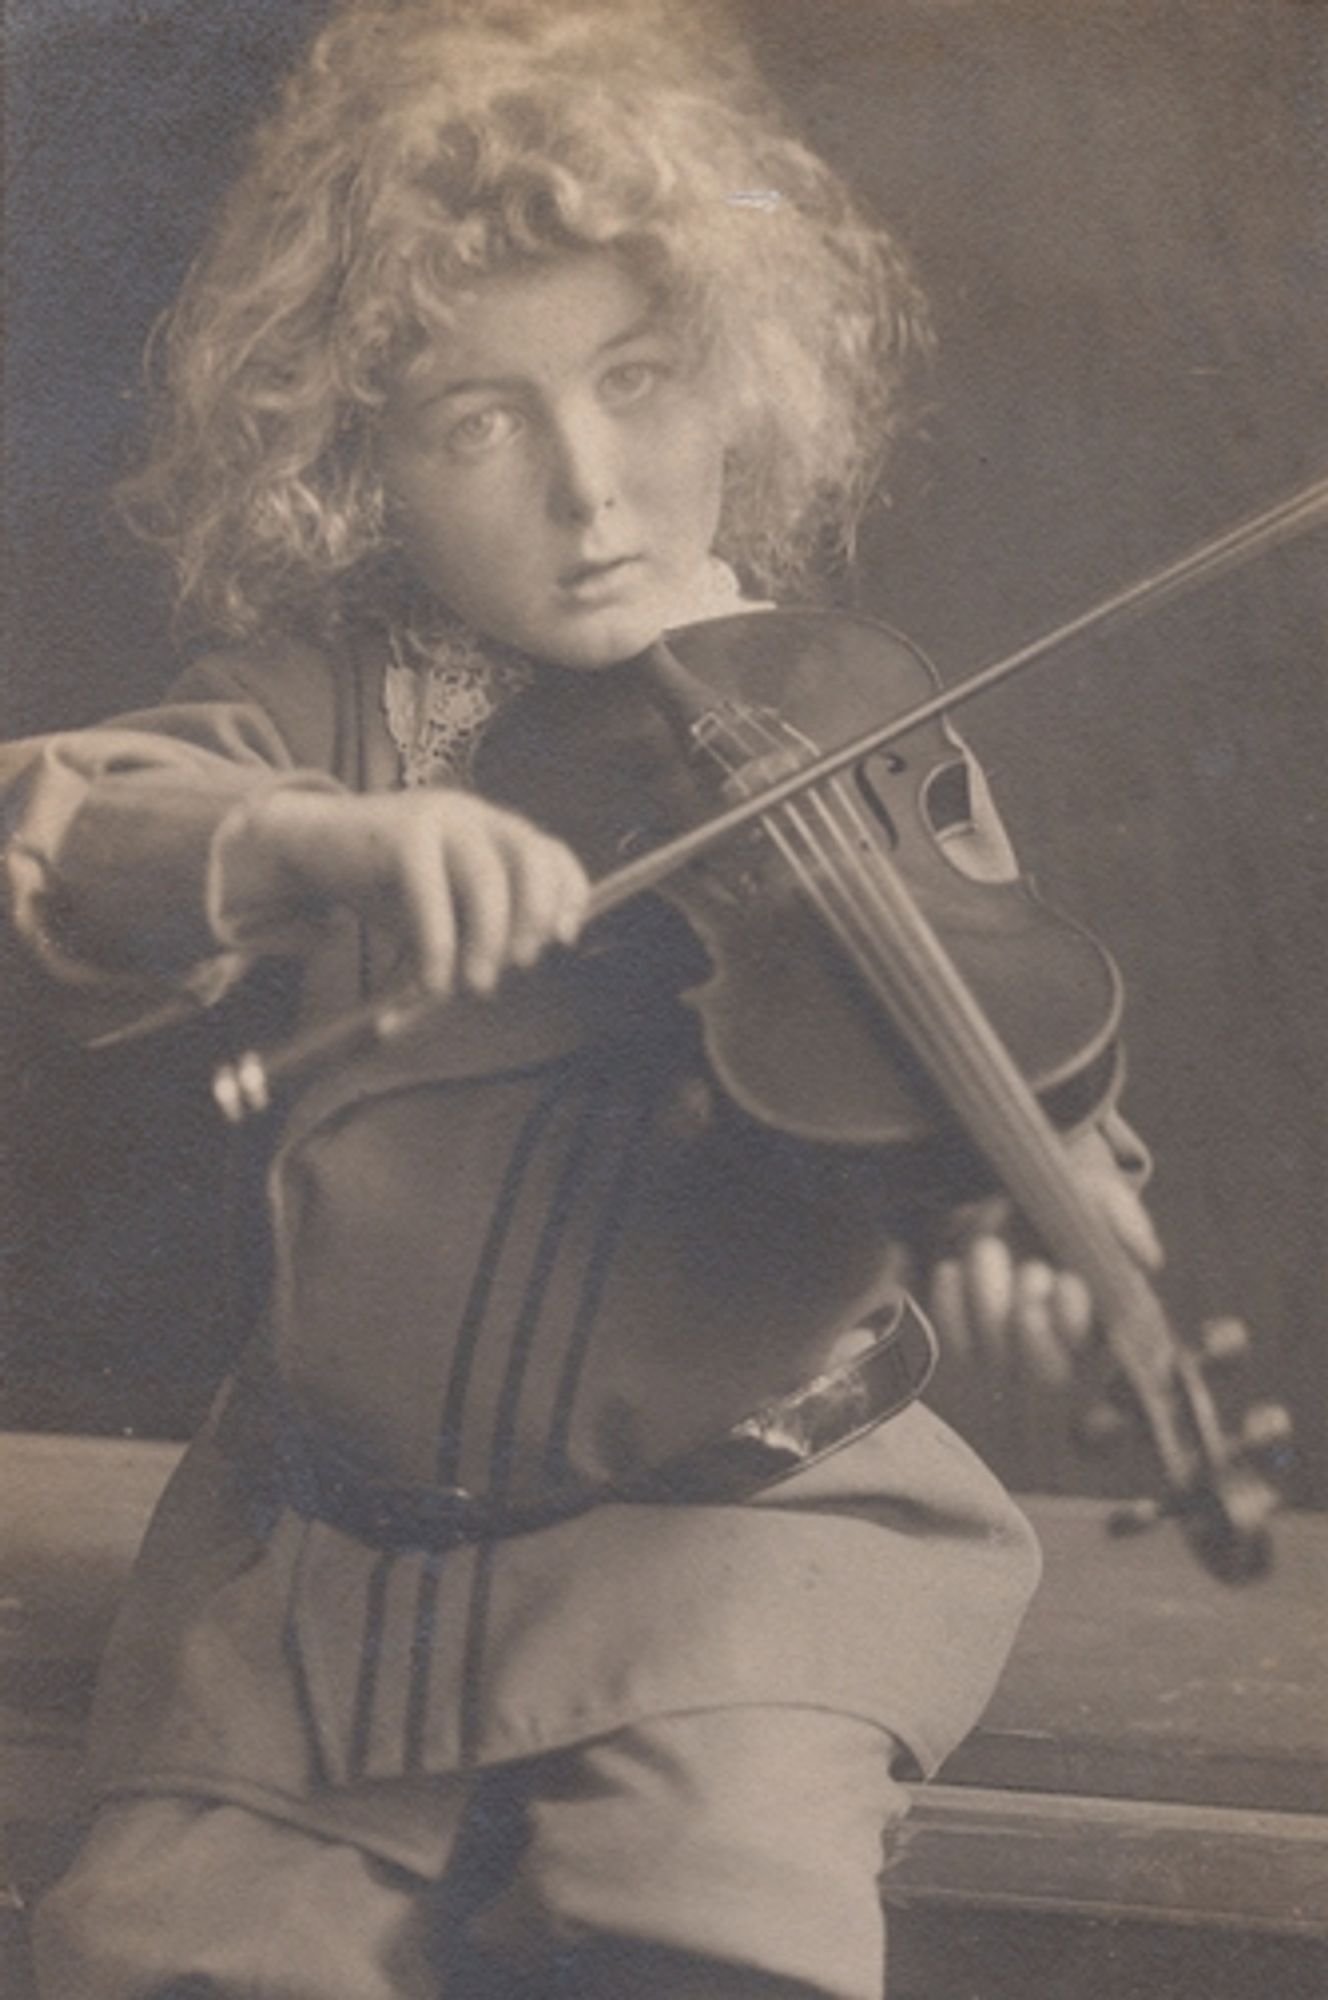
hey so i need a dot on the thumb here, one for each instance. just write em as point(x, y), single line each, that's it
point(1132, 1223)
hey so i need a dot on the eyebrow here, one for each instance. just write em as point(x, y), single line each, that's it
point(470, 385)
point(649, 322)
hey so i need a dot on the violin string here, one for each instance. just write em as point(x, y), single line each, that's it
point(813, 866)
point(1188, 1441)
point(846, 897)
point(957, 1044)
point(1185, 1432)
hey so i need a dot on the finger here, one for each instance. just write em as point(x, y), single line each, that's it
point(427, 908)
point(478, 880)
point(988, 1270)
point(990, 1216)
point(1132, 1223)
point(548, 892)
point(960, 1224)
point(946, 1303)
point(1071, 1306)
point(1031, 1324)
point(535, 874)
point(573, 899)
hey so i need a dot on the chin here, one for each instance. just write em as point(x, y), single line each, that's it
point(603, 646)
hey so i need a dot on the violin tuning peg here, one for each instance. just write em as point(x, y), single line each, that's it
point(1101, 1426)
point(1265, 1429)
point(1222, 1342)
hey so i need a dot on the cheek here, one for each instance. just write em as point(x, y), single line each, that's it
point(449, 532)
point(688, 476)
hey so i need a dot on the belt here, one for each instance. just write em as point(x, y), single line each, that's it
point(780, 1437)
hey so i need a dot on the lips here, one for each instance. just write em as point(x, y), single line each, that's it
point(583, 574)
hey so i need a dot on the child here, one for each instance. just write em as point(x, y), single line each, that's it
point(468, 1644)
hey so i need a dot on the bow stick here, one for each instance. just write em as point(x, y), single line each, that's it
point(245, 1086)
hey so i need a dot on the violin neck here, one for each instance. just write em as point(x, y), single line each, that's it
point(912, 974)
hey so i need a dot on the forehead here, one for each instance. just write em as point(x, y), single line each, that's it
point(534, 322)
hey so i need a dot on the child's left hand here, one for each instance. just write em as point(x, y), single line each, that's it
point(991, 1305)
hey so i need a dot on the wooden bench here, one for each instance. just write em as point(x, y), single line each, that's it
point(1144, 1810)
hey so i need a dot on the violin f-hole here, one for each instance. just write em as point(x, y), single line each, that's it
point(871, 795)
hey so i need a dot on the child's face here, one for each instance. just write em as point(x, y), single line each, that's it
point(554, 468)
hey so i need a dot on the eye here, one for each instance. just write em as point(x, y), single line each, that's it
point(484, 430)
point(632, 381)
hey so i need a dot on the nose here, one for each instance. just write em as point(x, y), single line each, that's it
point(583, 470)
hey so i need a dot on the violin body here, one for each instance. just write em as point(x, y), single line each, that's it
point(611, 762)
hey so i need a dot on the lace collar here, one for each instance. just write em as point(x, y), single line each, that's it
point(442, 685)
point(440, 689)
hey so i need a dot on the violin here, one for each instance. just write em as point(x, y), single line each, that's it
point(817, 1015)
point(864, 991)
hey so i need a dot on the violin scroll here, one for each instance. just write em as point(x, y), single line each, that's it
point(1218, 1486)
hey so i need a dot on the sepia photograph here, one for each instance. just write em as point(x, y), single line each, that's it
point(663, 1090)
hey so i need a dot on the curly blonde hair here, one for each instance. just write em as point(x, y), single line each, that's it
point(423, 143)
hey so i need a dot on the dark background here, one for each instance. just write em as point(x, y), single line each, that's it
point(1120, 210)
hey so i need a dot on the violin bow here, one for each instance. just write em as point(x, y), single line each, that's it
point(244, 1087)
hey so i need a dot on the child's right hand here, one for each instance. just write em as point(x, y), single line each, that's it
point(469, 888)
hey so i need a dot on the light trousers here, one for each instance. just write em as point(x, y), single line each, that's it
point(728, 1853)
